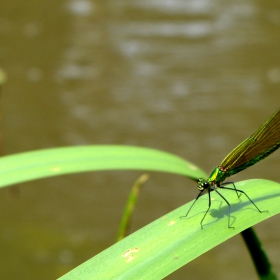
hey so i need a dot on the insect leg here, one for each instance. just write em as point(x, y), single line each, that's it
point(199, 195)
point(237, 190)
point(228, 183)
point(226, 203)
point(209, 206)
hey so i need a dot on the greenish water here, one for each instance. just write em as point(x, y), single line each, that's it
point(190, 77)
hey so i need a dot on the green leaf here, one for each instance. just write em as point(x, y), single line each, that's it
point(168, 243)
point(3, 77)
point(130, 205)
point(259, 257)
point(52, 162)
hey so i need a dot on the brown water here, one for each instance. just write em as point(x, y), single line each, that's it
point(192, 77)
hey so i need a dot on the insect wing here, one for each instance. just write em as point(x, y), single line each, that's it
point(258, 146)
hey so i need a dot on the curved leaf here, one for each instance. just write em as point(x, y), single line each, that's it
point(3, 77)
point(168, 243)
point(52, 162)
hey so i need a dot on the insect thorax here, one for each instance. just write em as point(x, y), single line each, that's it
point(218, 175)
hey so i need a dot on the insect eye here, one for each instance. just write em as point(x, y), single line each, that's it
point(202, 184)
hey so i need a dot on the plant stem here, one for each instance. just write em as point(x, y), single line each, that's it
point(260, 259)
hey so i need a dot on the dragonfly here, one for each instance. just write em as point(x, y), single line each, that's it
point(258, 146)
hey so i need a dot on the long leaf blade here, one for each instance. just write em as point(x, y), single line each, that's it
point(168, 243)
point(53, 162)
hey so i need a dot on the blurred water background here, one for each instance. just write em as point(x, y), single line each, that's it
point(191, 77)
